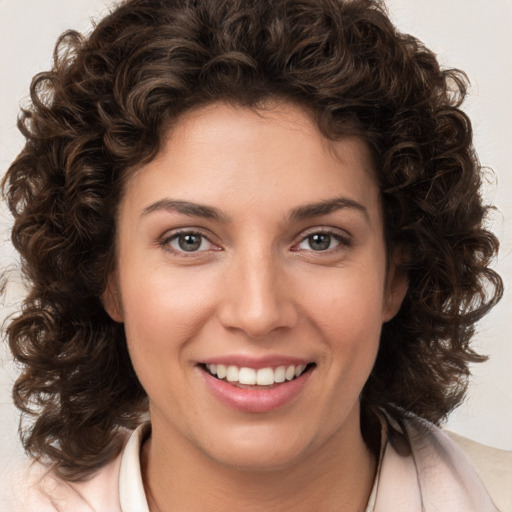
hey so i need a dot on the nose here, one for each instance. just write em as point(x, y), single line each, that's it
point(257, 296)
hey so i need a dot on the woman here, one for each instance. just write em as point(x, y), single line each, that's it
point(260, 224)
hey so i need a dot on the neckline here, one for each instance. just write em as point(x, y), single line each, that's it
point(131, 488)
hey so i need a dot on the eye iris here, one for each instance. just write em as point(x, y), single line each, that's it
point(319, 242)
point(189, 242)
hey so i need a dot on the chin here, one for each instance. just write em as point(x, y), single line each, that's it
point(257, 460)
point(254, 450)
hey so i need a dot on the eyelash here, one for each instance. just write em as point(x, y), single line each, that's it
point(167, 240)
point(343, 242)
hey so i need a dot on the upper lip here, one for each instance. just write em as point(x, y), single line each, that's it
point(270, 361)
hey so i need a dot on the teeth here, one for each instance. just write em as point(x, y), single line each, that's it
point(220, 370)
point(247, 376)
point(299, 369)
point(232, 373)
point(280, 374)
point(265, 377)
point(250, 376)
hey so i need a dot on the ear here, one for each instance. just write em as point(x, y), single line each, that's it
point(111, 299)
point(396, 284)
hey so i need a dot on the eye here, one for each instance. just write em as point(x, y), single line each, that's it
point(188, 242)
point(322, 241)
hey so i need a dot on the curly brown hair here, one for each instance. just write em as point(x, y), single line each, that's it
point(103, 109)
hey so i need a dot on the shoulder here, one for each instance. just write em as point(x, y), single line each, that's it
point(424, 468)
point(32, 487)
point(493, 466)
point(442, 455)
point(27, 486)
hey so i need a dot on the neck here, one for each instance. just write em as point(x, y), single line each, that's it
point(337, 476)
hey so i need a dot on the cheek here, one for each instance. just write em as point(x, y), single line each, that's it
point(163, 309)
point(347, 314)
point(349, 302)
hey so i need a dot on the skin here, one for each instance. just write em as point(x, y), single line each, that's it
point(255, 287)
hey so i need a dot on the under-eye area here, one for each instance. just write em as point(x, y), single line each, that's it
point(269, 376)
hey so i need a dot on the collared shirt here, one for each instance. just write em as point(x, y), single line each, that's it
point(420, 470)
point(131, 489)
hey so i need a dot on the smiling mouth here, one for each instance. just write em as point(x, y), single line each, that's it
point(251, 378)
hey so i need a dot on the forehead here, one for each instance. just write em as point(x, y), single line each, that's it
point(223, 154)
point(216, 122)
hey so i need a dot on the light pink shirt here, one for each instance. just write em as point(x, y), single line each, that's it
point(429, 474)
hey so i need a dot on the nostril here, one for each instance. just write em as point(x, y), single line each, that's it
point(257, 321)
point(256, 300)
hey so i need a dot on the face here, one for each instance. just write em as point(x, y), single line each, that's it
point(253, 283)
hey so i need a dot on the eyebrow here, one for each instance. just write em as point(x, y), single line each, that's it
point(325, 207)
point(186, 208)
point(301, 213)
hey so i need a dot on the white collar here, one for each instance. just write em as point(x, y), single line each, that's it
point(131, 489)
point(434, 475)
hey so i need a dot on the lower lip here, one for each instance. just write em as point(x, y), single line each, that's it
point(258, 399)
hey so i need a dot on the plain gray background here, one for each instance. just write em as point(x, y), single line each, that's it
point(474, 35)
